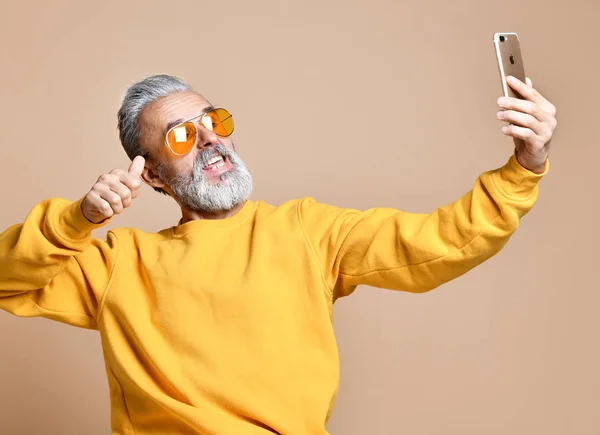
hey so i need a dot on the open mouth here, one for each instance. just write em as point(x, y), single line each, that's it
point(215, 163)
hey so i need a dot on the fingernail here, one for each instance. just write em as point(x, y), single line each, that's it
point(505, 129)
point(500, 115)
point(501, 101)
point(511, 79)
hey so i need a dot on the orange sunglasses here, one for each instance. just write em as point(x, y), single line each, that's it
point(182, 137)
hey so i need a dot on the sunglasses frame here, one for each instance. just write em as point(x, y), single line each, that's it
point(196, 125)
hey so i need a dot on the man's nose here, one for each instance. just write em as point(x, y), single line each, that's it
point(206, 137)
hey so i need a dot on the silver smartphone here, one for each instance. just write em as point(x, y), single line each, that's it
point(510, 61)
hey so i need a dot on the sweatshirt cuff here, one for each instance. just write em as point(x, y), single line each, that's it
point(74, 224)
point(516, 181)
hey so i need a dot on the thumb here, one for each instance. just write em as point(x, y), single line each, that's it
point(137, 166)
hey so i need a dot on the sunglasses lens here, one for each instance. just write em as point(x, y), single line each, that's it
point(182, 138)
point(222, 122)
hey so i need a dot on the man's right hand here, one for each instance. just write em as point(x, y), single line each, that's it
point(113, 192)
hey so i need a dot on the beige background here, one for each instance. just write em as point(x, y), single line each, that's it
point(356, 103)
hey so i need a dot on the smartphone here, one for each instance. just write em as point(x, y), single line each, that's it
point(510, 61)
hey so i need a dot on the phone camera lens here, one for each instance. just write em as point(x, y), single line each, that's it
point(502, 39)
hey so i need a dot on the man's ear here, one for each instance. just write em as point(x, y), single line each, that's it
point(151, 178)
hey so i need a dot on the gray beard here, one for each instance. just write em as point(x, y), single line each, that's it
point(193, 192)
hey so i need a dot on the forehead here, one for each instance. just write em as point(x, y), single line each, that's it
point(177, 107)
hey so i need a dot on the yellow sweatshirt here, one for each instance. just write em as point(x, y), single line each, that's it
point(224, 326)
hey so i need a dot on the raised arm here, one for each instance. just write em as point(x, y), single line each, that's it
point(389, 248)
point(393, 249)
point(51, 267)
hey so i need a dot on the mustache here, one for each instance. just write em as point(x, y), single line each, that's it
point(206, 154)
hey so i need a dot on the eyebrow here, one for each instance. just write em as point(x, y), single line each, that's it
point(172, 124)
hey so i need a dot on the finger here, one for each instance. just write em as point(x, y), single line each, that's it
point(515, 131)
point(527, 92)
point(543, 102)
point(113, 198)
point(114, 184)
point(100, 204)
point(133, 183)
point(122, 190)
point(521, 119)
point(137, 166)
point(524, 106)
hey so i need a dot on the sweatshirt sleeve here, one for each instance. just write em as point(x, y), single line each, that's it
point(392, 249)
point(51, 267)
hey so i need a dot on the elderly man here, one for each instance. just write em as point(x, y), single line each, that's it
point(221, 324)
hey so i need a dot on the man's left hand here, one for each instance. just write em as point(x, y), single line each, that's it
point(532, 122)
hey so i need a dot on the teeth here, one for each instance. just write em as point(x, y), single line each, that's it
point(214, 160)
point(218, 165)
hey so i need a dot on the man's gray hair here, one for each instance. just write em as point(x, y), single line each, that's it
point(137, 97)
